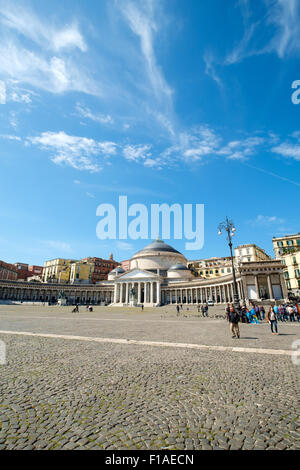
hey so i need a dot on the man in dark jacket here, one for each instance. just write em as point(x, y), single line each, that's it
point(234, 318)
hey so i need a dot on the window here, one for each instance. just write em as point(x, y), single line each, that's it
point(286, 275)
point(297, 273)
point(249, 259)
point(294, 260)
point(298, 242)
point(228, 270)
point(290, 242)
point(279, 243)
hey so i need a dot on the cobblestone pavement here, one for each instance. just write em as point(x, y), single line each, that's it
point(72, 394)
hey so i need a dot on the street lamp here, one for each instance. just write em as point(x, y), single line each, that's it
point(229, 227)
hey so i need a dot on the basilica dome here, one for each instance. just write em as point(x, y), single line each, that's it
point(179, 271)
point(157, 257)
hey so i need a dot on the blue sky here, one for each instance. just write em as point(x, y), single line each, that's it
point(165, 102)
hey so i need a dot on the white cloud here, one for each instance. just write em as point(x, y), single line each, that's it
point(20, 97)
point(284, 15)
point(87, 113)
point(25, 22)
point(268, 220)
point(281, 21)
point(242, 149)
point(210, 68)
point(142, 23)
point(77, 152)
point(53, 74)
point(124, 246)
point(136, 152)
point(288, 150)
point(2, 92)
point(90, 195)
point(43, 61)
point(10, 137)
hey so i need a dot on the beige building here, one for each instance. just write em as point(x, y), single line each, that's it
point(81, 272)
point(57, 270)
point(210, 268)
point(291, 272)
point(250, 253)
point(286, 244)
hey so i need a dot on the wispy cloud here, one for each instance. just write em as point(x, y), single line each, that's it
point(2, 92)
point(136, 152)
point(45, 62)
point(268, 220)
point(210, 68)
point(288, 150)
point(25, 22)
point(278, 30)
point(144, 20)
point(124, 246)
point(88, 114)
point(74, 151)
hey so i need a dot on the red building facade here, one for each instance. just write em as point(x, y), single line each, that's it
point(8, 272)
point(101, 268)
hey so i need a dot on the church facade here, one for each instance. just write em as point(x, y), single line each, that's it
point(159, 275)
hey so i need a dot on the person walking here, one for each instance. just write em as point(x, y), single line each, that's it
point(262, 312)
point(291, 313)
point(206, 309)
point(227, 311)
point(177, 308)
point(272, 319)
point(234, 318)
point(202, 310)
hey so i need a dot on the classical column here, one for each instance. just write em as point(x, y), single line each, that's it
point(115, 294)
point(151, 292)
point(270, 287)
point(257, 288)
point(121, 293)
point(139, 292)
point(126, 294)
point(158, 293)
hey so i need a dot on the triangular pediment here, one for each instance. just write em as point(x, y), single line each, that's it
point(138, 274)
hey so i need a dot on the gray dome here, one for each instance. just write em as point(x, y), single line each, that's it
point(118, 270)
point(158, 245)
point(178, 267)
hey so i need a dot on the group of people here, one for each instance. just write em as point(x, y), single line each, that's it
point(76, 308)
point(202, 308)
point(255, 314)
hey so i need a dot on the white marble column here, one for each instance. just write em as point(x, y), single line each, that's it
point(115, 294)
point(139, 292)
point(270, 287)
point(158, 293)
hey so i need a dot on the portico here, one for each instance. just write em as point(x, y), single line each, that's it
point(137, 287)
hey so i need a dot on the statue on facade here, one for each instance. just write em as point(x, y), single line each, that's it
point(132, 297)
point(61, 300)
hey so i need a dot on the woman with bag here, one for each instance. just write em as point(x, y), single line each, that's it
point(272, 319)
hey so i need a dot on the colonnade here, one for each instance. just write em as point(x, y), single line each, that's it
point(222, 293)
point(47, 294)
point(139, 292)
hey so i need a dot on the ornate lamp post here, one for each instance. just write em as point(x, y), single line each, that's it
point(229, 227)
